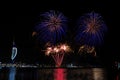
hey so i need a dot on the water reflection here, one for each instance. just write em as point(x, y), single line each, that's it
point(80, 74)
point(12, 73)
point(44, 74)
point(52, 74)
point(59, 74)
point(98, 74)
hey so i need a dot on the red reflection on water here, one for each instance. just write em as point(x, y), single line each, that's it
point(117, 77)
point(59, 74)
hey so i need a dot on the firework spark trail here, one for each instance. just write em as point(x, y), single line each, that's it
point(58, 58)
point(87, 49)
point(91, 29)
point(52, 28)
point(57, 53)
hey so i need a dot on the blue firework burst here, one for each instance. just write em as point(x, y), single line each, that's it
point(53, 27)
point(91, 28)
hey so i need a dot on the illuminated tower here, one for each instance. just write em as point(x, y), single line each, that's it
point(14, 52)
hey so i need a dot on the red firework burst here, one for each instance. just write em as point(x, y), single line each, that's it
point(57, 53)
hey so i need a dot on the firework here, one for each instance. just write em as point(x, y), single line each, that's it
point(34, 33)
point(91, 29)
point(52, 28)
point(57, 52)
point(87, 49)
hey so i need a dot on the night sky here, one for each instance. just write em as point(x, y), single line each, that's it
point(18, 20)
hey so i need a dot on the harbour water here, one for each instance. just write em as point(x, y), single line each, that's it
point(14, 73)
